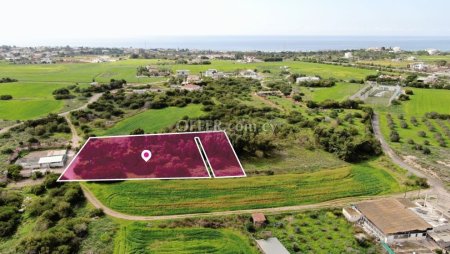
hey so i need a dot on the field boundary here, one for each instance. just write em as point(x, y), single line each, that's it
point(336, 203)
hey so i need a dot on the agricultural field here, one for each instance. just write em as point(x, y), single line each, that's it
point(30, 100)
point(323, 231)
point(199, 196)
point(292, 159)
point(153, 120)
point(411, 137)
point(32, 96)
point(142, 238)
point(339, 92)
point(387, 63)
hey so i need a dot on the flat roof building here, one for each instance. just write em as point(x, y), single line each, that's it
point(52, 161)
point(271, 246)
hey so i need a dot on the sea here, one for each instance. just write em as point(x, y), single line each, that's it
point(271, 43)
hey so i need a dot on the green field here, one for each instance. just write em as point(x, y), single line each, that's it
point(139, 238)
point(156, 197)
point(339, 92)
point(30, 100)
point(423, 101)
point(32, 94)
point(293, 160)
point(153, 120)
point(427, 100)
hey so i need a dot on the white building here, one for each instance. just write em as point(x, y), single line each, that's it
point(182, 73)
point(306, 79)
point(419, 66)
point(52, 161)
point(271, 246)
point(396, 49)
point(351, 214)
point(432, 51)
point(210, 72)
point(428, 80)
point(213, 73)
point(249, 74)
point(348, 55)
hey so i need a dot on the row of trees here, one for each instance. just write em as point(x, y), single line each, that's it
point(8, 80)
point(45, 127)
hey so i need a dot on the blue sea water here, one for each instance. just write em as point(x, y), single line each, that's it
point(294, 43)
point(273, 43)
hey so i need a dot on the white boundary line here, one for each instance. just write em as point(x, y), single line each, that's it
point(164, 178)
point(237, 158)
point(206, 156)
point(212, 170)
point(206, 162)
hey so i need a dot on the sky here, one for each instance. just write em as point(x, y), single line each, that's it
point(40, 21)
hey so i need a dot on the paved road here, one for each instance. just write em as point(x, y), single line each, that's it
point(436, 185)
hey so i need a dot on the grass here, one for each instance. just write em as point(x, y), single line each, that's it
point(102, 232)
point(139, 238)
point(30, 100)
point(321, 231)
point(156, 197)
point(293, 160)
point(427, 100)
point(339, 92)
point(153, 120)
point(422, 102)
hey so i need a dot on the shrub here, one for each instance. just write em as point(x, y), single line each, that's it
point(394, 136)
point(250, 227)
point(96, 212)
point(38, 189)
point(13, 172)
point(137, 131)
point(5, 97)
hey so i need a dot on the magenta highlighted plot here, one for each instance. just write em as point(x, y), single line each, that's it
point(155, 156)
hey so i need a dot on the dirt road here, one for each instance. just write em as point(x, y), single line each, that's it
point(436, 185)
point(337, 203)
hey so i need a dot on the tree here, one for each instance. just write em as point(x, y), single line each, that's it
point(137, 131)
point(5, 97)
point(394, 136)
point(13, 172)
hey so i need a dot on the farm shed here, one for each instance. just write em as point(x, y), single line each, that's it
point(258, 219)
point(391, 220)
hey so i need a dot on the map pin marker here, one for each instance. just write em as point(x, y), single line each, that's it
point(146, 155)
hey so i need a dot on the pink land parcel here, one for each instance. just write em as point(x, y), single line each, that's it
point(155, 156)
